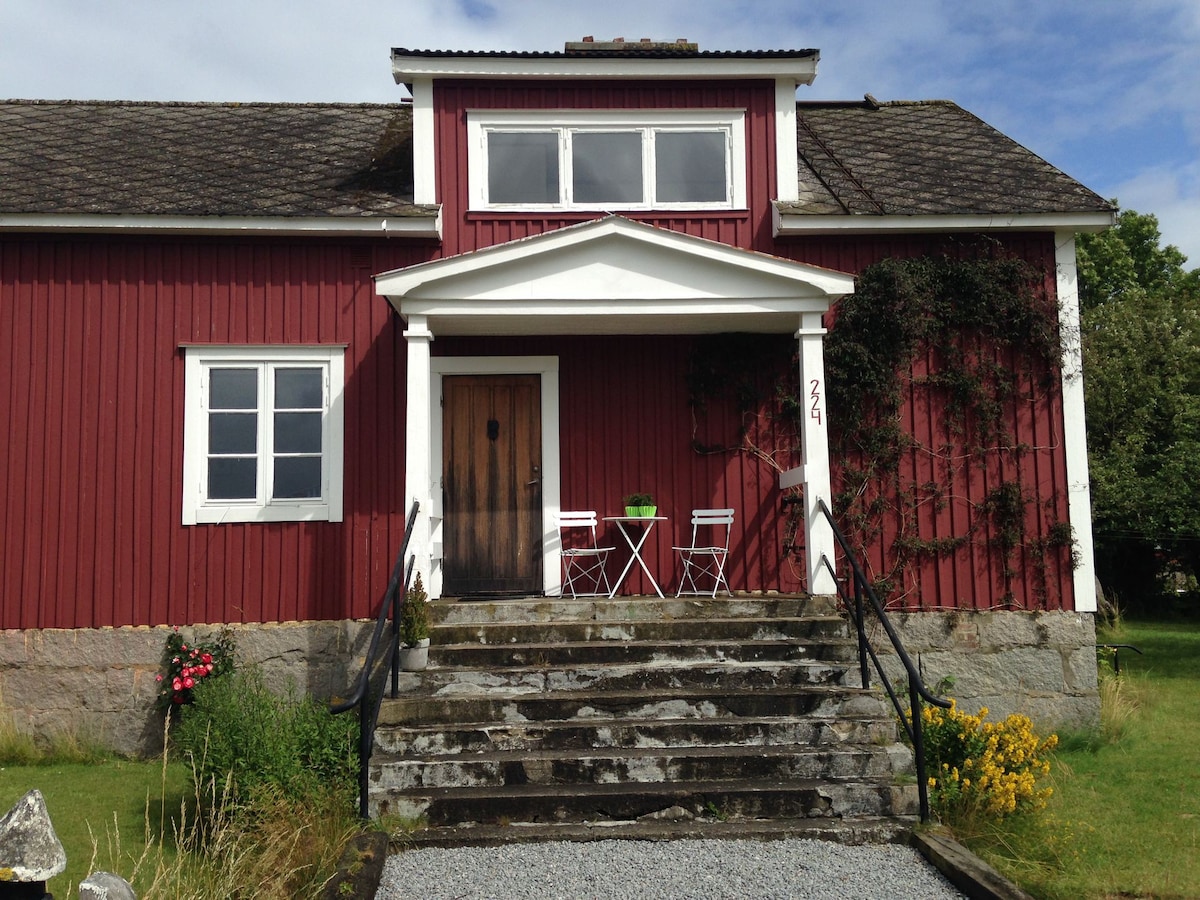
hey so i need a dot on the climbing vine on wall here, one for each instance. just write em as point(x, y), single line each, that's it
point(973, 334)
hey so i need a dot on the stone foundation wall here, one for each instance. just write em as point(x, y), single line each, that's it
point(100, 683)
point(1041, 664)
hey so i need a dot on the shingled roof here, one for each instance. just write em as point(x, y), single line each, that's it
point(206, 159)
point(928, 158)
point(355, 160)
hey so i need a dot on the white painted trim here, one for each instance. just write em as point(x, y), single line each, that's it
point(790, 223)
point(198, 358)
point(547, 368)
point(418, 279)
point(799, 69)
point(1074, 422)
point(424, 145)
point(729, 122)
point(787, 154)
point(422, 226)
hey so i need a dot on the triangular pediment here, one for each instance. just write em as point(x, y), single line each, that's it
point(612, 276)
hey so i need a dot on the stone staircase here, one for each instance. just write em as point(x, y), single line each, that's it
point(546, 719)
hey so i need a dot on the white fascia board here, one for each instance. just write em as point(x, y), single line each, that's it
point(406, 69)
point(798, 223)
point(429, 226)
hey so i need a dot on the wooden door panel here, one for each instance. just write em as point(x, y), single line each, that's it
point(492, 484)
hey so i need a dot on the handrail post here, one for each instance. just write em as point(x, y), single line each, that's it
point(398, 601)
point(861, 620)
point(918, 738)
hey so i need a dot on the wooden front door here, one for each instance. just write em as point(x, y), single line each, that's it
point(492, 484)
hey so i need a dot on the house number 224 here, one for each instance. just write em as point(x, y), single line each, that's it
point(815, 394)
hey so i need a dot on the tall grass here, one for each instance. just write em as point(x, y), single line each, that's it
point(1124, 819)
point(266, 817)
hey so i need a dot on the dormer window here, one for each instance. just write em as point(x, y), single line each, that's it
point(665, 159)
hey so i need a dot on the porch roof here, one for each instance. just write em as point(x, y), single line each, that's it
point(612, 276)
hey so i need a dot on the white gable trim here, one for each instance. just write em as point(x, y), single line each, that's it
point(612, 276)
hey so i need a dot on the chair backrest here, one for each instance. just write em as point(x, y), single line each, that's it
point(702, 518)
point(570, 522)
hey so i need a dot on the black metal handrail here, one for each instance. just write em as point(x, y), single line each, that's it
point(368, 704)
point(917, 691)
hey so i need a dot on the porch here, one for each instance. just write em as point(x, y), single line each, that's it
point(611, 277)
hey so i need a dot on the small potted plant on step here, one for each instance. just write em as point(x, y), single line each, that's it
point(414, 628)
point(641, 505)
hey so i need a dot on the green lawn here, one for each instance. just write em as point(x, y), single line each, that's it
point(1131, 807)
point(101, 801)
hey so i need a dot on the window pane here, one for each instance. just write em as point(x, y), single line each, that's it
point(297, 478)
point(232, 433)
point(690, 166)
point(232, 479)
point(523, 167)
point(298, 432)
point(606, 167)
point(233, 389)
point(298, 389)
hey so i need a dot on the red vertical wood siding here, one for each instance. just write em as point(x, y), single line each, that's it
point(972, 578)
point(626, 425)
point(91, 468)
point(466, 231)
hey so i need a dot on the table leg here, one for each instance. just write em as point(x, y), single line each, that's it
point(637, 554)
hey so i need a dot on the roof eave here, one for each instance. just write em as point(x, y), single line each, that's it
point(802, 70)
point(792, 223)
point(426, 225)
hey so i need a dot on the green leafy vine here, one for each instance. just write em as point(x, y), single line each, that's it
point(975, 333)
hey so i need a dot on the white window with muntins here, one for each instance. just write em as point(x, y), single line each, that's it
point(263, 434)
point(663, 159)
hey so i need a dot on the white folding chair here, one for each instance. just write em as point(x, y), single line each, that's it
point(706, 560)
point(584, 561)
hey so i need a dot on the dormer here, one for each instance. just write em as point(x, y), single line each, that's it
point(619, 126)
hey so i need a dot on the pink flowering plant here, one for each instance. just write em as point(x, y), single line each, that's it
point(186, 664)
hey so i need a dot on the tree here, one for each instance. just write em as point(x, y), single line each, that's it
point(1141, 350)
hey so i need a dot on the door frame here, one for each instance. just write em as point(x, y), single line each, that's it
point(546, 367)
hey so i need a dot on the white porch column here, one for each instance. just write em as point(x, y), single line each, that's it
point(418, 479)
point(814, 442)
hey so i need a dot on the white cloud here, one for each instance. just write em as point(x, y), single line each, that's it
point(1173, 196)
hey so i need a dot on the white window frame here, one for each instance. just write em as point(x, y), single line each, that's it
point(729, 122)
point(201, 359)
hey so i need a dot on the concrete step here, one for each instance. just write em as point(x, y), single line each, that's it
point(582, 653)
point(819, 700)
point(535, 610)
point(790, 798)
point(722, 631)
point(637, 765)
point(425, 740)
point(679, 826)
point(659, 677)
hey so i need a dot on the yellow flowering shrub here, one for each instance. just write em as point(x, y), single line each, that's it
point(983, 768)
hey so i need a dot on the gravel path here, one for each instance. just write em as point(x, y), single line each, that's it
point(796, 869)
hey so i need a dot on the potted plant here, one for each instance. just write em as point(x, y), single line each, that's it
point(414, 628)
point(641, 505)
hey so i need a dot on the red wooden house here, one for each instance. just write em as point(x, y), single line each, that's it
point(241, 339)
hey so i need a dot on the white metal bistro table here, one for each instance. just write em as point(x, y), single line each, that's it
point(635, 546)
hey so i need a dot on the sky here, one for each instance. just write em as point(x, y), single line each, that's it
point(1106, 90)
